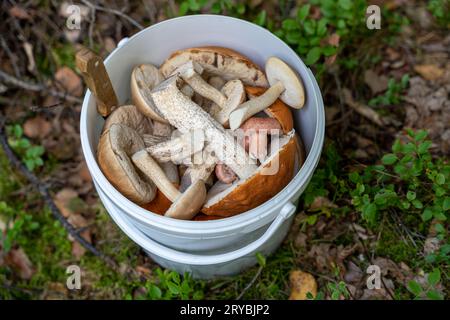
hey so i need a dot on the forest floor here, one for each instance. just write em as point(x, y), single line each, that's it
point(380, 195)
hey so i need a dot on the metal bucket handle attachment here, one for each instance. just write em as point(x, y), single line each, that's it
point(193, 259)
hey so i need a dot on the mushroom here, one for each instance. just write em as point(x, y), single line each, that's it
point(190, 72)
point(187, 90)
point(185, 115)
point(152, 139)
point(235, 94)
point(162, 129)
point(178, 148)
point(256, 131)
point(219, 61)
point(285, 84)
point(184, 205)
point(130, 116)
point(201, 169)
point(270, 178)
point(229, 98)
point(278, 110)
point(217, 82)
point(115, 148)
point(143, 79)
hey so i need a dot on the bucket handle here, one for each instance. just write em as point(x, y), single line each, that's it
point(193, 259)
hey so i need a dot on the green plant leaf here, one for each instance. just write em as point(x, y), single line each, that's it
point(446, 204)
point(303, 12)
point(261, 18)
point(440, 179)
point(434, 295)
point(427, 214)
point(345, 4)
point(289, 24)
point(313, 56)
point(410, 195)
point(389, 159)
point(173, 288)
point(154, 292)
point(261, 259)
point(414, 287)
point(417, 204)
point(420, 135)
point(423, 147)
point(434, 277)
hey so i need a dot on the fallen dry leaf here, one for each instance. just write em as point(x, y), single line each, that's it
point(68, 80)
point(429, 71)
point(19, 13)
point(354, 273)
point(18, 260)
point(84, 173)
point(376, 83)
point(37, 127)
point(77, 249)
point(321, 202)
point(62, 201)
point(302, 283)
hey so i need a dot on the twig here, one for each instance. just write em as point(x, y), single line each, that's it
point(91, 27)
point(113, 11)
point(47, 197)
point(363, 110)
point(251, 283)
point(37, 87)
point(12, 58)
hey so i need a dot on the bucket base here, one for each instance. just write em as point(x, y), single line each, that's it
point(230, 268)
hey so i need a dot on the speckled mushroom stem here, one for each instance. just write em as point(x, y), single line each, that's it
point(186, 115)
point(253, 106)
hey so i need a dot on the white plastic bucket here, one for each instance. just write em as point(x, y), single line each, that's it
point(218, 247)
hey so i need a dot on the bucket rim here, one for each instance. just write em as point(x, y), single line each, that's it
point(225, 224)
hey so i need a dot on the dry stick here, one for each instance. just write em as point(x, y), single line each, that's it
point(48, 199)
point(91, 27)
point(362, 109)
point(250, 284)
point(10, 55)
point(366, 252)
point(113, 11)
point(37, 87)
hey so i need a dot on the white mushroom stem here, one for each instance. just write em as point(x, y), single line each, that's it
point(185, 115)
point(235, 93)
point(184, 205)
point(149, 167)
point(253, 106)
point(199, 170)
point(190, 73)
point(178, 148)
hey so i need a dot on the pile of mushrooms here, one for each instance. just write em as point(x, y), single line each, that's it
point(207, 134)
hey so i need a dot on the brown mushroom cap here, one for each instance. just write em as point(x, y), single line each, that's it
point(143, 79)
point(278, 71)
point(189, 203)
point(130, 116)
point(250, 193)
point(115, 147)
point(278, 110)
point(220, 61)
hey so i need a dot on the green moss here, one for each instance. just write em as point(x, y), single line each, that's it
point(392, 246)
